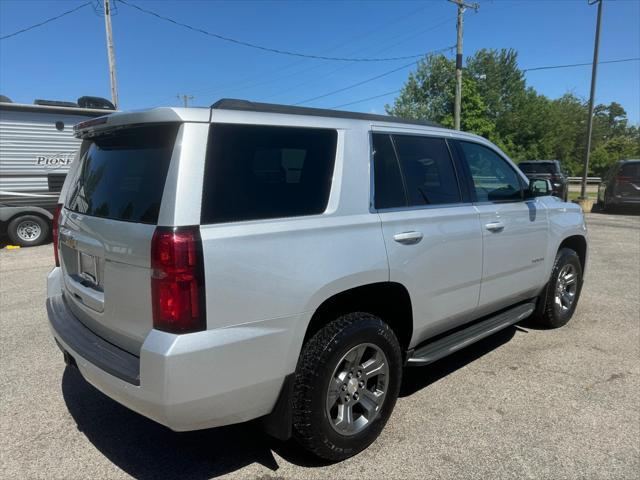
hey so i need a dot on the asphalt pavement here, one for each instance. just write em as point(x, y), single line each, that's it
point(525, 403)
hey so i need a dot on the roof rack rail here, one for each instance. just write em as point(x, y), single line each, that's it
point(248, 106)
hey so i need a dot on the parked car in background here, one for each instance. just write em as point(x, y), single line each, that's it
point(620, 186)
point(550, 170)
point(36, 148)
point(253, 260)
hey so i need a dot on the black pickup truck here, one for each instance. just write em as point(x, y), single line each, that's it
point(549, 170)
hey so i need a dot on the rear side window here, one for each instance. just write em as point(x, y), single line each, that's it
point(257, 172)
point(493, 178)
point(122, 175)
point(429, 175)
point(388, 187)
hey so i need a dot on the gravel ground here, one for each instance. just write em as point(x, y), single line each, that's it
point(525, 403)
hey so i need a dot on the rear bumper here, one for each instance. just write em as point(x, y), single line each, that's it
point(186, 382)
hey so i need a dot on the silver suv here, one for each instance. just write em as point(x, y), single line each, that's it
point(251, 261)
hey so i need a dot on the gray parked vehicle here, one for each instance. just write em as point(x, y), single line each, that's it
point(620, 186)
point(249, 261)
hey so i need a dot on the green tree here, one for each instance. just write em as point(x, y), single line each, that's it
point(429, 94)
point(497, 104)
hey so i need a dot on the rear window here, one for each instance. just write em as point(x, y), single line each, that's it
point(257, 172)
point(122, 175)
point(538, 167)
point(630, 170)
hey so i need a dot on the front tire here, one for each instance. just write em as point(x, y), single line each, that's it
point(563, 290)
point(346, 385)
point(28, 230)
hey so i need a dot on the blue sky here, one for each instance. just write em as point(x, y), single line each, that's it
point(157, 60)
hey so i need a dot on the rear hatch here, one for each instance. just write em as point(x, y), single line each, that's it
point(627, 181)
point(111, 208)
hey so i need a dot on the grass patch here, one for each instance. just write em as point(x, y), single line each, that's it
point(574, 196)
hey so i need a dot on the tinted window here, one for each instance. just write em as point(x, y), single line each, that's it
point(538, 167)
point(122, 175)
point(631, 170)
point(428, 170)
point(389, 191)
point(255, 172)
point(493, 178)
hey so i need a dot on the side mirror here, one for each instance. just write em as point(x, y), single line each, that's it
point(539, 187)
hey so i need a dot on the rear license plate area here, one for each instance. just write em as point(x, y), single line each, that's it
point(88, 268)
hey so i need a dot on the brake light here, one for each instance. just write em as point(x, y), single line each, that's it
point(55, 230)
point(177, 280)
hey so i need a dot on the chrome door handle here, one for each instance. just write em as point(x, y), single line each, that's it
point(408, 238)
point(495, 226)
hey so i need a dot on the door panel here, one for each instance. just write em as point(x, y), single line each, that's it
point(433, 239)
point(513, 252)
point(442, 269)
point(514, 230)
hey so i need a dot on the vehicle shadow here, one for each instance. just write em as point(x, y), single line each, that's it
point(146, 450)
point(417, 378)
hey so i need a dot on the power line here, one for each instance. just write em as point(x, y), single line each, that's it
point(550, 67)
point(368, 98)
point(263, 48)
point(525, 70)
point(256, 79)
point(342, 67)
point(362, 82)
point(45, 21)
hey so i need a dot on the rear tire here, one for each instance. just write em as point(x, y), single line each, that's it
point(28, 230)
point(346, 385)
point(562, 292)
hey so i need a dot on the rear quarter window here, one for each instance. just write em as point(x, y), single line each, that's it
point(257, 172)
point(121, 176)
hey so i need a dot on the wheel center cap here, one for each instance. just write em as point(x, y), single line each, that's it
point(352, 386)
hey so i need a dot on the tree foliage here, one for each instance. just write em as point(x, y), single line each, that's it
point(498, 105)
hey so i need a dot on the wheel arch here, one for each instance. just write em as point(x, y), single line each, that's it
point(388, 300)
point(8, 214)
point(577, 243)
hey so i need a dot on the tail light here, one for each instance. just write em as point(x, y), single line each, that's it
point(55, 230)
point(177, 280)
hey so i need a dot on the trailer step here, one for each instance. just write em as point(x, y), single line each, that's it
point(461, 338)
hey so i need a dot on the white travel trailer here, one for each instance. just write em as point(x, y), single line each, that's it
point(36, 148)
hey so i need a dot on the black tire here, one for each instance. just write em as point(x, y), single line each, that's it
point(320, 358)
point(28, 230)
point(550, 313)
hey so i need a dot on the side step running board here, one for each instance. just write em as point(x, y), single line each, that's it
point(462, 338)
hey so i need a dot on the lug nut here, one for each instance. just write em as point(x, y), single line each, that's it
point(347, 398)
point(361, 384)
point(359, 374)
point(350, 375)
point(344, 387)
point(355, 396)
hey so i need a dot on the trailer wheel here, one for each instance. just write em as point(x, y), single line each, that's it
point(28, 230)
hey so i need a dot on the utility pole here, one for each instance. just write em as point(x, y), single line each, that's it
point(111, 53)
point(185, 99)
point(462, 6)
point(594, 71)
